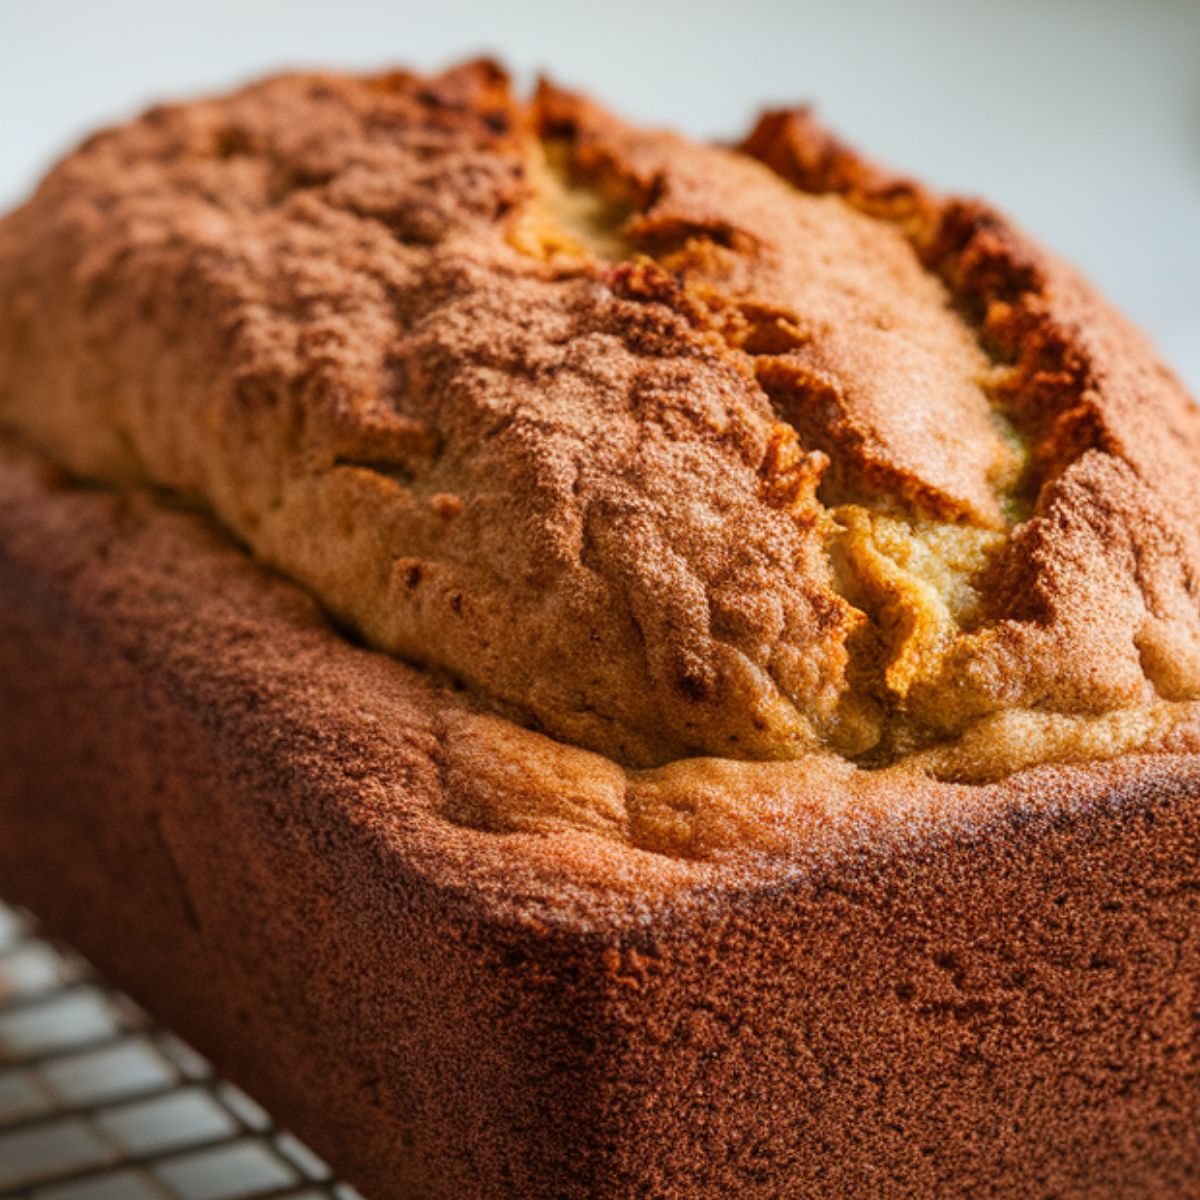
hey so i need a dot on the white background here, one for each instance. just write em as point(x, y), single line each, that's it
point(1080, 117)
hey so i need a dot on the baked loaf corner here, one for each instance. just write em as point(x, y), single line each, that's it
point(240, 817)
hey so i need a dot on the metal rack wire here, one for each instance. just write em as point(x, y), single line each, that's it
point(99, 1103)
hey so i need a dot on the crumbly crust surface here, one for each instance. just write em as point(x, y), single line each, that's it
point(725, 472)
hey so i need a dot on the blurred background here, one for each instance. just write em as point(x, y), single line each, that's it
point(1079, 117)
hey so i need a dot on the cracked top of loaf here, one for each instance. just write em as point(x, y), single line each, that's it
point(664, 451)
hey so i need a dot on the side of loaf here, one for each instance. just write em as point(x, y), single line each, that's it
point(235, 813)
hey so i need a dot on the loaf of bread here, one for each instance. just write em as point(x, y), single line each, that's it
point(603, 666)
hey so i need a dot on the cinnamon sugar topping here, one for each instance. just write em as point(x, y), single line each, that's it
point(664, 450)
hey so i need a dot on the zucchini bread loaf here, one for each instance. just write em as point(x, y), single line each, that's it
point(596, 665)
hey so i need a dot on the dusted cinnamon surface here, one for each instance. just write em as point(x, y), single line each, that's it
point(663, 450)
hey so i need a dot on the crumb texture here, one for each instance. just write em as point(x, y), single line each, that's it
point(661, 449)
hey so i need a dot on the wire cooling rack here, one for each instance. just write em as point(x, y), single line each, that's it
point(97, 1102)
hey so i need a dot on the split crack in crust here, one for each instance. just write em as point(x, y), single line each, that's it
point(753, 492)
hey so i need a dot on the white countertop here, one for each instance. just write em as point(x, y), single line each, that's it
point(1080, 117)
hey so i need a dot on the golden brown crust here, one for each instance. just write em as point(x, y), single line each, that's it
point(825, 465)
